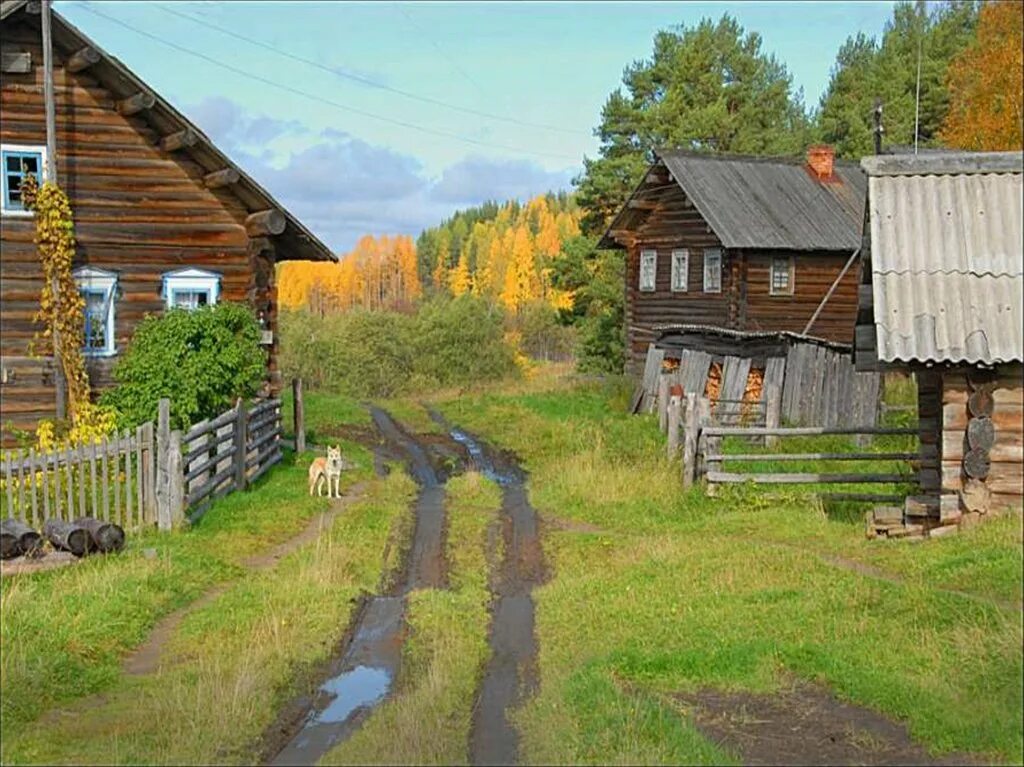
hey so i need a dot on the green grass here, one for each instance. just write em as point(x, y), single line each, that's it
point(444, 653)
point(675, 591)
point(324, 410)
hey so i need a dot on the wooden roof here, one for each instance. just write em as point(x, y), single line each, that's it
point(295, 242)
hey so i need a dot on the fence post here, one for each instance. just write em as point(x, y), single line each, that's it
point(298, 415)
point(241, 451)
point(163, 451)
point(772, 409)
point(674, 420)
point(175, 481)
point(663, 401)
point(690, 429)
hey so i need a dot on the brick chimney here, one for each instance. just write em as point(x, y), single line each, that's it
point(820, 159)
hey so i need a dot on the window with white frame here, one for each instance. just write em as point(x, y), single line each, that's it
point(648, 269)
point(713, 270)
point(680, 270)
point(781, 277)
point(191, 288)
point(98, 288)
point(18, 161)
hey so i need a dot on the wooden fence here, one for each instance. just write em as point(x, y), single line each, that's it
point(154, 476)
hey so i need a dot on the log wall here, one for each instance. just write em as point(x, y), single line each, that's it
point(138, 210)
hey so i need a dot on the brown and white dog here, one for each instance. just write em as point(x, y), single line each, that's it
point(327, 471)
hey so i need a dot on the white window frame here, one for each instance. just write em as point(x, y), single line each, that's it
point(652, 256)
point(27, 148)
point(92, 280)
point(191, 281)
point(680, 272)
point(787, 262)
point(716, 254)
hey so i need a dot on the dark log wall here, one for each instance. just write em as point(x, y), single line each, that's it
point(138, 210)
point(745, 302)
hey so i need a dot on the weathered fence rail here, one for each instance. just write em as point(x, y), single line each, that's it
point(152, 476)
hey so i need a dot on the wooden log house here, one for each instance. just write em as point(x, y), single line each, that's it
point(941, 297)
point(162, 217)
point(748, 244)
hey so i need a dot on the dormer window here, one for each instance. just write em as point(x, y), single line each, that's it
point(191, 288)
point(18, 161)
point(98, 289)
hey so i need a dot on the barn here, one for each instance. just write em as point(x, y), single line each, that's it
point(941, 297)
point(162, 217)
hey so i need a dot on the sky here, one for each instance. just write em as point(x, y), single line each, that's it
point(386, 117)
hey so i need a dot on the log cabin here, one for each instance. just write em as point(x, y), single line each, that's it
point(162, 217)
point(941, 297)
point(749, 244)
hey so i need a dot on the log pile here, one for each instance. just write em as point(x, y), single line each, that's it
point(21, 543)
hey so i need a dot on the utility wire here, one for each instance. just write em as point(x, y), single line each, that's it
point(369, 82)
point(321, 99)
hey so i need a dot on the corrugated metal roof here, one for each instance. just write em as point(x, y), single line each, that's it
point(769, 203)
point(947, 257)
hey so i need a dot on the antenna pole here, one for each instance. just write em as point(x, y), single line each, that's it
point(879, 130)
point(917, 96)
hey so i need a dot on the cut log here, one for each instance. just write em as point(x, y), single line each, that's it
point(976, 496)
point(106, 536)
point(980, 403)
point(265, 222)
point(179, 140)
point(976, 463)
point(981, 433)
point(68, 536)
point(979, 378)
point(135, 104)
point(82, 59)
point(9, 546)
point(219, 178)
point(25, 539)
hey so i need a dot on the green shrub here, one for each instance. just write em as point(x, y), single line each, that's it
point(543, 336)
point(201, 360)
point(461, 341)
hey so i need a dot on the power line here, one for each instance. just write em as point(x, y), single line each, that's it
point(371, 83)
point(320, 99)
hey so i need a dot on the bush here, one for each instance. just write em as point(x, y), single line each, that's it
point(201, 360)
point(542, 335)
point(380, 354)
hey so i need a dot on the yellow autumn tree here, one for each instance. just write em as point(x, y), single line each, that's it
point(986, 84)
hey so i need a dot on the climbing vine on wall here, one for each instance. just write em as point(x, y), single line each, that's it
point(61, 307)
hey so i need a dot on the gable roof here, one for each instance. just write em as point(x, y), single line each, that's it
point(766, 202)
point(947, 256)
point(296, 241)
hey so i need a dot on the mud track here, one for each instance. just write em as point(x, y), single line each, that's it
point(362, 674)
point(511, 674)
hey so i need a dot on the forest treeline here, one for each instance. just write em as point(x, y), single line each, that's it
point(946, 74)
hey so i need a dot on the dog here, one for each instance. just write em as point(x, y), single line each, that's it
point(327, 471)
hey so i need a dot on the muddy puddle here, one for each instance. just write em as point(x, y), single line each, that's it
point(362, 677)
point(510, 676)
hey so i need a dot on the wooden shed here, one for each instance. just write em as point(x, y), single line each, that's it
point(162, 217)
point(941, 297)
point(751, 244)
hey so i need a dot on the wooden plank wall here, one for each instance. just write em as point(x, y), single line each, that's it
point(139, 210)
point(1005, 478)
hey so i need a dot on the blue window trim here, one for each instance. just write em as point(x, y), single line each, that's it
point(8, 204)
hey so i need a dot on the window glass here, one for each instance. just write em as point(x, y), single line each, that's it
point(648, 269)
point(780, 276)
point(190, 299)
point(16, 166)
point(713, 270)
point(190, 288)
point(97, 332)
point(680, 269)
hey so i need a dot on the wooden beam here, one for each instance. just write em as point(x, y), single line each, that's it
point(219, 178)
point(82, 59)
point(15, 62)
point(180, 140)
point(34, 7)
point(265, 222)
point(135, 104)
point(865, 297)
point(642, 205)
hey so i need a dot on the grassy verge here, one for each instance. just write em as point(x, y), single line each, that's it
point(445, 651)
point(235, 661)
point(664, 590)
